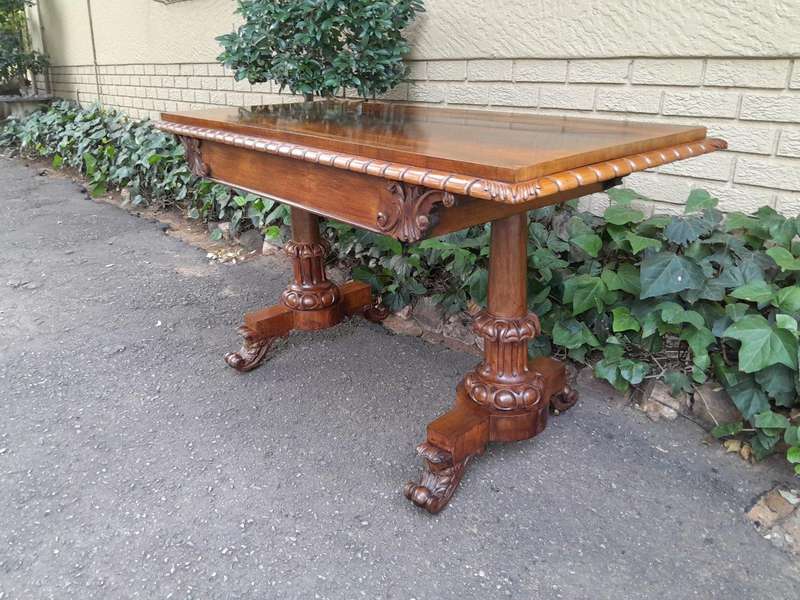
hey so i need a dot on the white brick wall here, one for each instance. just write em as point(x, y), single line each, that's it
point(752, 103)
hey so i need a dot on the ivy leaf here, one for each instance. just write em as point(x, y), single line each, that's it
point(787, 322)
point(784, 259)
point(698, 201)
point(588, 242)
point(622, 214)
point(624, 320)
point(585, 292)
point(625, 278)
point(727, 429)
point(737, 220)
point(792, 435)
point(633, 371)
point(770, 420)
point(748, 397)
point(674, 314)
point(763, 444)
point(736, 310)
point(684, 230)
point(793, 455)
point(788, 299)
point(678, 382)
point(778, 382)
point(609, 370)
point(757, 291)
point(699, 339)
point(639, 243)
point(762, 345)
point(668, 273)
point(573, 334)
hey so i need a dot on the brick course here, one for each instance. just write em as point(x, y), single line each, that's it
point(753, 103)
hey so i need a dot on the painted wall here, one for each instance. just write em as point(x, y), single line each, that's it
point(732, 65)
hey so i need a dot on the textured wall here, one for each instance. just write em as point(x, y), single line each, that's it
point(732, 66)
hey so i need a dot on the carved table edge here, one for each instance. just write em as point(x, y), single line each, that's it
point(476, 187)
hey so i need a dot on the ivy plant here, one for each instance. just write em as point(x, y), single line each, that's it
point(321, 47)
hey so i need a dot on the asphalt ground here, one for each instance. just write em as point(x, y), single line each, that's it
point(135, 464)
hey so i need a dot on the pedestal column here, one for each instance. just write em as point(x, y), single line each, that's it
point(507, 396)
point(310, 302)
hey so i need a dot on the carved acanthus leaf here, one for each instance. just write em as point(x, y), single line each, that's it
point(408, 213)
point(191, 148)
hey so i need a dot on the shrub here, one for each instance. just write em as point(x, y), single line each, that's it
point(321, 46)
point(16, 57)
point(676, 298)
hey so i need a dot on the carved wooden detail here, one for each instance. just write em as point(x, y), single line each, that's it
point(194, 159)
point(503, 380)
point(439, 479)
point(254, 350)
point(408, 213)
point(564, 400)
point(310, 289)
point(486, 189)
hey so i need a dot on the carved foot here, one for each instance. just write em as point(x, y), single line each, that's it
point(376, 312)
point(564, 400)
point(439, 479)
point(254, 349)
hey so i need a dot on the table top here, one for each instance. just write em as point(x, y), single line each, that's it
point(510, 147)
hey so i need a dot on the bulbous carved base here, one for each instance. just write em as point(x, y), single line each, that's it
point(254, 349)
point(316, 298)
point(525, 394)
point(439, 479)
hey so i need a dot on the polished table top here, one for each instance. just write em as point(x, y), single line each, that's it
point(509, 147)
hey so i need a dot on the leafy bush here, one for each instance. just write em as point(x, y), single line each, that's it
point(676, 298)
point(321, 46)
point(16, 57)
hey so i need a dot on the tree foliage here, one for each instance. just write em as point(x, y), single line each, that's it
point(17, 59)
point(321, 46)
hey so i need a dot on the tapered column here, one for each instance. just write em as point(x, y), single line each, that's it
point(503, 380)
point(311, 289)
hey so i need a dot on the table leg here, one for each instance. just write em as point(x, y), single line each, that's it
point(507, 396)
point(310, 302)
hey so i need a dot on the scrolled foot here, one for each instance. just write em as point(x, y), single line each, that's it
point(254, 349)
point(376, 312)
point(564, 400)
point(438, 481)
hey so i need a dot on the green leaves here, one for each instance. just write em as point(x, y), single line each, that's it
point(624, 320)
point(622, 214)
point(639, 243)
point(757, 291)
point(699, 200)
point(585, 292)
point(667, 273)
point(784, 259)
point(589, 243)
point(321, 47)
point(762, 345)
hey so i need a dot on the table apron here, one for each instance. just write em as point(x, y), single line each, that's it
point(353, 198)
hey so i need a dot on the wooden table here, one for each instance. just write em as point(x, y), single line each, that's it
point(414, 172)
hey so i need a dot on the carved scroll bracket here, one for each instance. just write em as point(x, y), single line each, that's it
point(407, 215)
point(191, 148)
